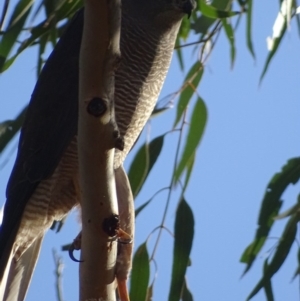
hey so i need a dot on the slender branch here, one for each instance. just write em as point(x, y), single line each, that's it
point(170, 192)
point(97, 138)
point(59, 266)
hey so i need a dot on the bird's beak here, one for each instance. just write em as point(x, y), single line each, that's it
point(188, 7)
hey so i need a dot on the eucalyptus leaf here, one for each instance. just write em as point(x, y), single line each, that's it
point(249, 27)
point(268, 284)
point(284, 245)
point(184, 235)
point(270, 207)
point(192, 80)
point(15, 26)
point(214, 13)
point(140, 274)
point(230, 36)
point(143, 163)
point(194, 135)
point(9, 129)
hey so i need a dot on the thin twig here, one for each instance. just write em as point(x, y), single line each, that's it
point(59, 266)
point(215, 32)
point(170, 192)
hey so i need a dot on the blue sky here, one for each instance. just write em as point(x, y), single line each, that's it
point(251, 132)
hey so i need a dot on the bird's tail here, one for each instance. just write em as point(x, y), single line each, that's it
point(17, 275)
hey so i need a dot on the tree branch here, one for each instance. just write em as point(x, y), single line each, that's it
point(97, 137)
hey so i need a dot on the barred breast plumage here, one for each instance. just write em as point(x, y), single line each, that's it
point(44, 182)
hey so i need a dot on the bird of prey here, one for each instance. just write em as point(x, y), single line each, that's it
point(43, 182)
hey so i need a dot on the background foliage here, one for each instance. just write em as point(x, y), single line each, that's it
point(41, 23)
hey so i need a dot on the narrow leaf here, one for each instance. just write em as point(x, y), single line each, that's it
point(297, 272)
point(271, 204)
point(268, 284)
point(138, 169)
point(189, 169)
point(279, 28)
point(15, 26)
point(143, 163)
point(38, 31)
point(195, 133)
point(184, 234)
point(140, 274)
point(297, 16)
point(42, 47)
point(193, 78)
point(281, 253)
point(212, 12)
point(9, 129)
point(66, 9)
point(179, 54)
point(249, 28)
point(184, 29)
point(202, 24)
point(230, 36)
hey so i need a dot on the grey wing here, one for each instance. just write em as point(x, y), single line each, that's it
point(50, 124)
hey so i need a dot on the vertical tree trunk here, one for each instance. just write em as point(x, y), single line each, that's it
point(97, 136)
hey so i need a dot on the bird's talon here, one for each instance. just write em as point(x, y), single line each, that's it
point(76, 245)
point(71, 250)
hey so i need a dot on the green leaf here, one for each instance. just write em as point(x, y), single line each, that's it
point(268, 284)
point(214, 13)
point(281, 22)
point(195, 133)
point(38, 31)
point(42, 47)
point(297, 16)
point(184, 29)
point(249, 28)
point(192, 79)
point(189, 169)
point(230, 35)
point(15, 26)
point(281, 253)
point(179, 54)
point(8, 129)
point(65, 9)
point(297, 272)
point(271, 204)
point(184, 234)
point(68, 8)
point(143, 163)
point(276, 42)
point(140, 274)
point(202, 24)
point(50, 8)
